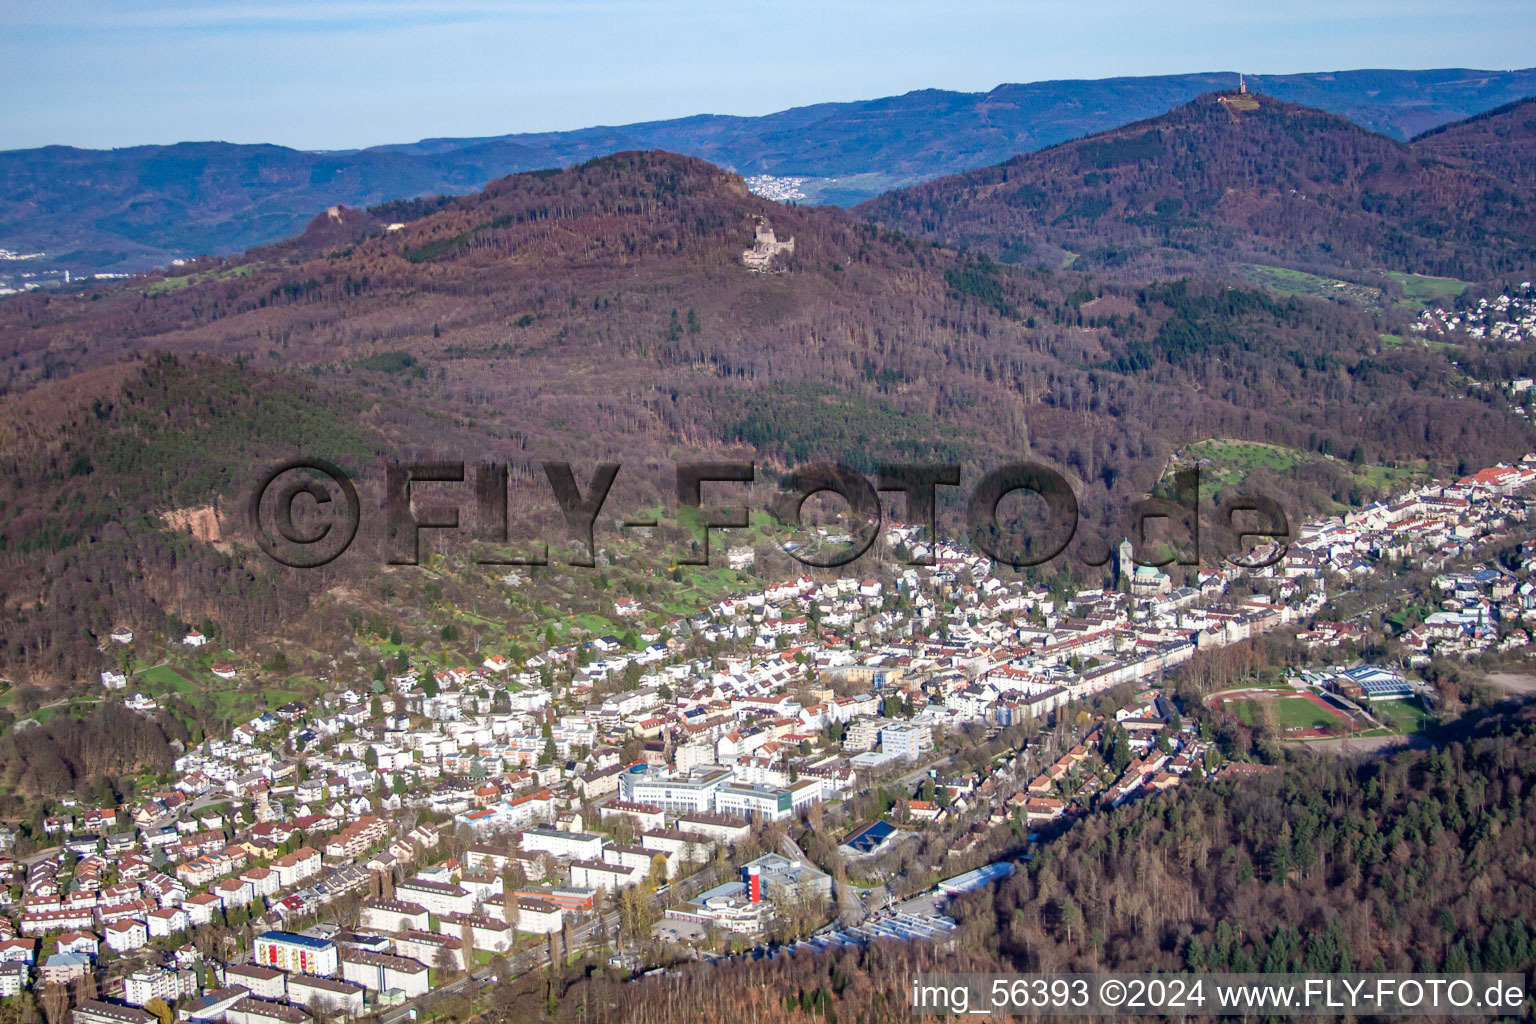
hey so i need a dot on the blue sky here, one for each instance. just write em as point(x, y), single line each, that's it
point(330, 74)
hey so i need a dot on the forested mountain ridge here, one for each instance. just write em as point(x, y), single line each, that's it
point(604, 312)
point(141, 206)
point(1502, 141)
point(1229, 178)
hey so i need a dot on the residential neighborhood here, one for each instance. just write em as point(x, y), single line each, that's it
point(355, 853)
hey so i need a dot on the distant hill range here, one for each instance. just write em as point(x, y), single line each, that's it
point(1232, 177)
point(129, 209)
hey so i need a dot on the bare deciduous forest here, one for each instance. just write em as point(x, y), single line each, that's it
point(603, 313)
point(1231, 178)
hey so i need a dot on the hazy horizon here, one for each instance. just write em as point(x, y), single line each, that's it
point(341, 75)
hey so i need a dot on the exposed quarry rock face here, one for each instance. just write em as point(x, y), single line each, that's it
point(201, 522)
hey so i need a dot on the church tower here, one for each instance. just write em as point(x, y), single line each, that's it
point(1125, 566)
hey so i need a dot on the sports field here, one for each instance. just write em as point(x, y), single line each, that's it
point(1297, 715)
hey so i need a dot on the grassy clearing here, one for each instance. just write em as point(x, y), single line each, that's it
point(1285, 281)
point(1389, 477)
point(1226, 463)
point(472, 617)
point(386, 648)
point(175, 284)
point(1422, 342)
point(229, 701)
point(1406, 716)
point(1232, 461)
point(165, 679)
point(43, 715)
point(701, 585)
point(1421, 289)
point(168, 285)
point(587, 624)
point(1406, 617)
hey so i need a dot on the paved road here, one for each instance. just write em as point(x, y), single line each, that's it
point(42, 855)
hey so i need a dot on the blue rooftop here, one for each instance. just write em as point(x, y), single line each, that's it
point(296, 939)
point(868, 838)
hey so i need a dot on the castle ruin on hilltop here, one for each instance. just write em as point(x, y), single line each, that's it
point(765, 246)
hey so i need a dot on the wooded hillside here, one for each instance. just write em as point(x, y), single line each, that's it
point(1228, 178)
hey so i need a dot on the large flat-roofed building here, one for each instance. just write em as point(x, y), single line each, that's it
point(729, 907)
point(690, 794)
point(290, 951)
point(678, 846)
point(14, 976)
point(773, 803)
point(488, 933)
point(432, 948)
point(628, 855)
point(607, 877)
point(210, 1007)
point(863, 733)
point(778, 876)
point(63, 968)
point(570, 845)
point(866, 840)
point(566, 897)
point(645, 816)
point(157, 983)
point(976, 878)
point(1369, 682)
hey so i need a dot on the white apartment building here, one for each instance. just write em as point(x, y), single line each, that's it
point(345, 997)
point(437, 897)
point(157, 983)
point(910, 741)
point(538, 916)
point(571, 845)
point(392, 916)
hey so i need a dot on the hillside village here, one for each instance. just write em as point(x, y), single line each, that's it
point(1505, 318)
point(348, 856)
